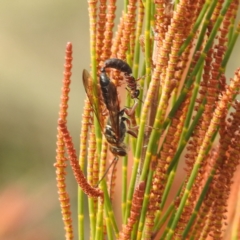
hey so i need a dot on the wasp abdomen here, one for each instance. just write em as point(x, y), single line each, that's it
point(118, 64)
point(122, 66)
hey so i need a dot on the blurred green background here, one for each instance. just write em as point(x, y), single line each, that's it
point(33, 40)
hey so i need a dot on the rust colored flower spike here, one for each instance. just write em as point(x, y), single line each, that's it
point(203, 214)
point(225, 161)
point(159, 179)
point(136, 207)
point(79, 176)
point(217, 192)
point(210, 90)
point(195, 141)
point(128, 30)
point(60, 158)
point(91, 156)
point(226, 167)
point(101, 24)
point(118, 36)
point(108, 34)
point(209, 85)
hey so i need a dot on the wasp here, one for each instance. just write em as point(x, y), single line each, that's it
point(109, 93)
point(127, 71)
point(115, 128)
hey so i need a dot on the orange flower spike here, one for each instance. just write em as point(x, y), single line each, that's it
point(91, 156)
point(60, 158)
point(129, 29)
point(66, 82)
point(136, 207)
point(117, 39)
point(216, 11)
point(161, 22)
point(95, 169)
point(79, 176)
point(209, 85)
point(218, 116)
point(229, 160)
point(108, 34)
point(101, 25)
point(167, 153)
point(103, 158)
point(196, 140)
point(201, 227)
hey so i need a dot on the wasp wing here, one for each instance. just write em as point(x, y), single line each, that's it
point(88, 85)
point(113, 108)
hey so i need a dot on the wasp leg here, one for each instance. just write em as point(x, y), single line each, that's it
point(130, 111)
point(132, 130)
point(132, 133)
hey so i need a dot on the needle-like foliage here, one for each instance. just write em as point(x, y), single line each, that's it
point(187, 120)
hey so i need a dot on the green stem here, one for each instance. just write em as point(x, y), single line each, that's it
point(198, 205)
point(197, 67)
point(192, 102)
point(206, 22)
point(81, 214)
point(163, 237)
point(205, 142)
point(134, 231)
point(159, 222)
point(187, 137)
point(145, 205)
point(125, 3)
point(144, 116)
point(108, 209)
point(168, 187)
point(99, 224)
point(124, 185)
point(195, 27)
point(108, 224)
point(92, 21)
